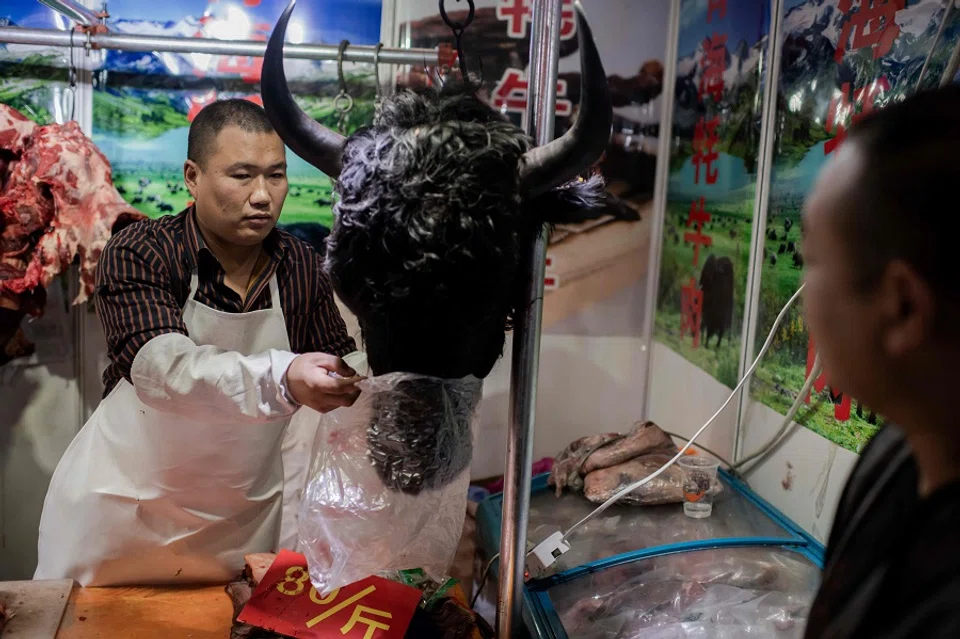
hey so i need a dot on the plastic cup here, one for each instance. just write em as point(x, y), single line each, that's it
point(699, 475)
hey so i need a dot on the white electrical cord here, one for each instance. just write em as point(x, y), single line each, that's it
point(638, 484)
point(788, 418)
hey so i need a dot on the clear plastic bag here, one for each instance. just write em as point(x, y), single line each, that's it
point(387, 488)
point(719, 594)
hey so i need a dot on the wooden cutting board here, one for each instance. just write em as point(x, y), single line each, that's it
point(35, 607)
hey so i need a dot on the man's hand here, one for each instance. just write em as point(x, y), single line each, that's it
point(311, 384)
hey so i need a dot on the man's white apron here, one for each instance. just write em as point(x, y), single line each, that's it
point(142, 496)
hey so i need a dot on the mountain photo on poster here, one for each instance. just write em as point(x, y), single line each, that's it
point(144, 102)
point(836, 65)
point(34, 79)
point(713, 176)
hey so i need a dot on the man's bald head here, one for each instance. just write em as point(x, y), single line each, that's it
point(903, 176)
point(219, 115)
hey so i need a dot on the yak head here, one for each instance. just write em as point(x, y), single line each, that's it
point(437, 203)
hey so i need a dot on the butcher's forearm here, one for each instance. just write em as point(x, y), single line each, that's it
point(173, 374)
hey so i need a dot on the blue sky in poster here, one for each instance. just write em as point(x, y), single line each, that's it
point(745, 20)
point(27, 13)
point(326, 20)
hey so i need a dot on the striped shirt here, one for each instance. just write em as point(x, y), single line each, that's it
point(143, 280)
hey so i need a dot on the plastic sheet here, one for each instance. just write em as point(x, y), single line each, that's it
point(720, 593)
point(387, 487)
point(627, 528)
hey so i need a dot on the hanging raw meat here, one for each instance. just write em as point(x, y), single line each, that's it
point(57, 205)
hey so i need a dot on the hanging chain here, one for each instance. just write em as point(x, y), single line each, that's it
point(376, 79)
point(376, 70)
point(343, 103)
point(70, 95)
point(458, 28)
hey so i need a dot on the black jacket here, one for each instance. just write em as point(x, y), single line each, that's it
point(893, 559)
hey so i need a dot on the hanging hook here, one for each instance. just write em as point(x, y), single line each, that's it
point(458, 28)
point(70, 95)
point(344, 101)
point(376, 69)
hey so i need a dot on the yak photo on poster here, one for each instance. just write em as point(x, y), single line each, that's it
point(722, 56)
point(596, 266)
point(144, 102)
point(841, 59)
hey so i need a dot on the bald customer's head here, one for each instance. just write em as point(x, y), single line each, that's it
point(883, 282)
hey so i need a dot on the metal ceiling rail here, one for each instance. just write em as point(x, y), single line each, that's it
point(131, 42)
point(74, 11)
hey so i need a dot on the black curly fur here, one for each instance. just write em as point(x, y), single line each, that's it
point(426, 250)
point(430, 229)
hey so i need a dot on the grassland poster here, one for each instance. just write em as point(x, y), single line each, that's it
point(722, 58)
point(143, 102)
point(840, 60)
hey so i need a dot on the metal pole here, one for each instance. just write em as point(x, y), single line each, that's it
point(933, 47)
point(124, 42)
point(761, 205)
point(951, 70)
point(661, 180)
point(541, 110)
point(74, 11)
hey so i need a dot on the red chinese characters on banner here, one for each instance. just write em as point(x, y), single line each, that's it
point(518, 15)
point(842, 107)
point(841, 411)
point(872, 25)
point(285, 602)
point(691, 310)
point(712, 65)
point(248, 68)
point(704, 140)
point(510, 95)
point(716, 6)
point(697, 218)
point(198, 102)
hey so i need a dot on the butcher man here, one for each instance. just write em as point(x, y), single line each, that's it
point(219, 328)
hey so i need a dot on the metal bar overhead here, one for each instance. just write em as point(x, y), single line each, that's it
point(129, 42)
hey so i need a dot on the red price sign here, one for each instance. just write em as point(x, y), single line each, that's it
point(286, 602)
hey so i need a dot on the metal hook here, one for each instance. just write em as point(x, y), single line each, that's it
point(458, 28)
point(343, 102)
point(71, 81)
point(376, 68)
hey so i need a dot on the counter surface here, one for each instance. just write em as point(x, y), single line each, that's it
point(153, 613)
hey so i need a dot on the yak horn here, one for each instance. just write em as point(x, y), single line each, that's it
point(546, 167)
point(306, 137)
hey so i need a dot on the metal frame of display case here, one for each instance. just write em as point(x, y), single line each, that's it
point(539, 613)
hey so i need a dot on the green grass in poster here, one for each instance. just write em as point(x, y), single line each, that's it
point(153, 190)
point(29, 86)
point(781, 373)
point(729, 229)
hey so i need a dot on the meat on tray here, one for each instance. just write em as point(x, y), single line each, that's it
point(666, 488)
point(646, 438)
point(568, 466)
point(57, 205)
point(600, 466)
